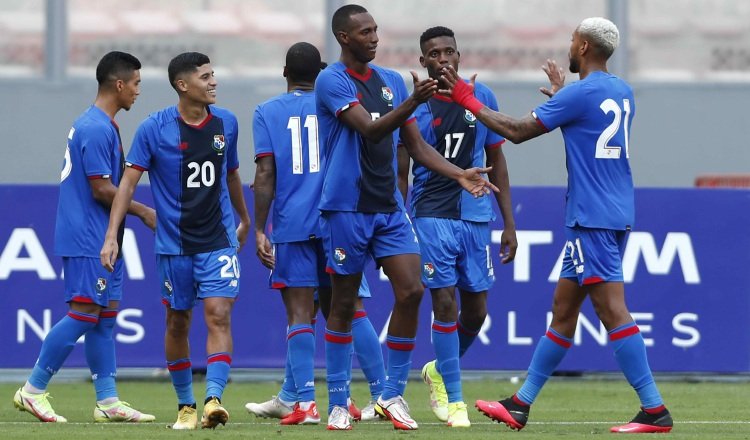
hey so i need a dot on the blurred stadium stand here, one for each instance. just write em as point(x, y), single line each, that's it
point(670, 40)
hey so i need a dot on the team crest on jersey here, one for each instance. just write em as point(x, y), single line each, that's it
point(469, 117)
point(429, 270)
point(386, 94)
point(101, 285)
point(168, 286)
point(219, 143)
point(339, 255)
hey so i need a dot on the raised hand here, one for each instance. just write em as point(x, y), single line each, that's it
point(556, 77)
point(423, 89)
point(461, 92)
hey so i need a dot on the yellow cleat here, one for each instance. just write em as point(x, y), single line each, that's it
point(213, 414)
point(458, 417)
point(438, 395)
point(187, 418)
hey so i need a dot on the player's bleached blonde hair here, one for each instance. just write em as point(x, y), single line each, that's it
point(602, 32)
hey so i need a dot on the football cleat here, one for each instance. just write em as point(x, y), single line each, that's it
point(353, 410)
point(120, 412)
point(38, 405)
point(274, 408)
point(368, 413)
point(187, 418)
point(213, 414)
point(458, 417)
point(507, 411)
point(339, 419)
point(300, 416)
point(397, 411)
point(438, 395)
point(644, 422)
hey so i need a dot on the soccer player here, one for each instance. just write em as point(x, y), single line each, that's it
point(362, 109)
point(594, 115)
point(453, 228)
point(190, 152)
point(88, 182)
point(289, 159)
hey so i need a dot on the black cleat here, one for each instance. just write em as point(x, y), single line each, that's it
point(644, 422)
point(507, 411)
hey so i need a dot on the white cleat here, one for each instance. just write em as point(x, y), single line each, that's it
point(339, 419)
point(397, 411)
point(120, 412)
point(274, 408)
point(369, 414)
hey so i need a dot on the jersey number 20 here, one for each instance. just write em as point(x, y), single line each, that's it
point(603, 149)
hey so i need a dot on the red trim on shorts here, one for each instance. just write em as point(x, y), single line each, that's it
point(299, 331)
point(84, 318)
point(278, 285)
point(166, 303)
point(82, 299)
point(360, 314)
point(222, 357)
point(330, 270)
point(444, 328)
point(624, 333)
point(338, 339)
point(400, 346)
point(180, 366)
point(592, 280)
point(558, 340)
point(108, 314)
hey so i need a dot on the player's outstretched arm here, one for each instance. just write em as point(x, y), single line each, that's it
point(375, 130)
point(237, 197)
point(499, 177)
point(515, 130)
point(472, 179)
point(263, 189)
point(120, 206)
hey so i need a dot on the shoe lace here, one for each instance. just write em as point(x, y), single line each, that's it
point(185, 414)
point(43, 402)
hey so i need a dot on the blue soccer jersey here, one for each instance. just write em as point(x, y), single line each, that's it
point(359, 175)
point(457, 135)
point(187, 167)
point(287, 128)
point(94, 151)
point(594, 115)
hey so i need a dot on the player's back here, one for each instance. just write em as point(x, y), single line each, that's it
point(93, 151)
point(595, 115)
point(287, 128)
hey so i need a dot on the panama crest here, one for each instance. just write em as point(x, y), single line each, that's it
point(168, 286)
point(429, 270)
point(339, 255)
point(386, 94)
point(219, 143)
point(469, 117)
point(101, 285)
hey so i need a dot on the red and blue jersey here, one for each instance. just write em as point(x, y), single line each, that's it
point(187, 166)
point(287, 128)
point(595, 115)
point(94, 151)
point(359, 174)
point(459, 137)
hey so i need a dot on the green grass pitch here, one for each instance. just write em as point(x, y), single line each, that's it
point(567, 408)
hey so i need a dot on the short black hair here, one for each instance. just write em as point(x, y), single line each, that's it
point(116, 65)
point(434, 32)
point(185, 63)
point(340, 19)
point(303, 62)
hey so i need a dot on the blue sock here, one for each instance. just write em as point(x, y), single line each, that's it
point(217, 373)
point(182, 380)
point(369, 353)
point(466, 337)
point(301, 350)
point(288, 392)
point(399, 364)
point(58, 344)
point(549, 352)
point(100, 355)
point(445, 341)
point(338, 366)
point(630, 352)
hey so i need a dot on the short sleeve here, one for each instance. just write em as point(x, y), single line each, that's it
point(565, 106)
point(233, 161)
point(261, 137)
point(142, 149)
point(97, 151)
point(335, 92)
point(493, 139)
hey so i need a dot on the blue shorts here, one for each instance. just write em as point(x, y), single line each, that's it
point(593, 255)
point(187, 278)
point(455, 253)
point(349, 237)
point(87, 281)
point(299, 264)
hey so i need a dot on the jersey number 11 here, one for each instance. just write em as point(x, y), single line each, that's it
point(313, 148)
